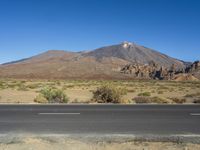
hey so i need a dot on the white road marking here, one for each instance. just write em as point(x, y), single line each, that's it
point(59, 113)
point(195, 114)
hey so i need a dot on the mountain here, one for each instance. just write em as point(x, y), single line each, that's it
point(102, 63)
point(134, 53)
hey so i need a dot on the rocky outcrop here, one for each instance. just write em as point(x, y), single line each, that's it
point(154, 71)
point(194, 69)
point(141, 71)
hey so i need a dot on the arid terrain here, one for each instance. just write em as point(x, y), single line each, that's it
point(81, 91)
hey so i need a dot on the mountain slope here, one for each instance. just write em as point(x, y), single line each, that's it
point(135, 54)
point(104, 62)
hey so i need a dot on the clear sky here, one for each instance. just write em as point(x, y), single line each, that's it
point(29, 27)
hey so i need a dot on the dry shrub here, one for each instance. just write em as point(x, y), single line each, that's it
point(108, 94)
point(40, 99)
point(144, 94)
point(196, 101)
point(178, 100)
point(144, 99)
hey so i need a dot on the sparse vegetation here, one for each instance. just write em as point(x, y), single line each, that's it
point(83, 90)
point(108, 94)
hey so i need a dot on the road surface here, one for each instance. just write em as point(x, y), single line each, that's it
point(100, 119)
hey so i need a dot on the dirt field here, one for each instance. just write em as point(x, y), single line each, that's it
point(81, 91)
point(31, 143)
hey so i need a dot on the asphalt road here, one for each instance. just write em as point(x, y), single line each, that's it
point(100, 119)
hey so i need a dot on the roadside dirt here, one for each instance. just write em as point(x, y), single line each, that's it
point(55, 143)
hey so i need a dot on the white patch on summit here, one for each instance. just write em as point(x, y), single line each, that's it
point(126, 44)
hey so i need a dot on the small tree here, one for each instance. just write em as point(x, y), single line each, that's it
point(108, 94)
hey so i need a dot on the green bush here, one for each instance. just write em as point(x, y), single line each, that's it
point(52, 95)
point(108, 94)
point(144, 94)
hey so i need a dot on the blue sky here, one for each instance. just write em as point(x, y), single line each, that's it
point(29, 27)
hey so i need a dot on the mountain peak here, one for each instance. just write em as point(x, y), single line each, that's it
point(127, 44)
